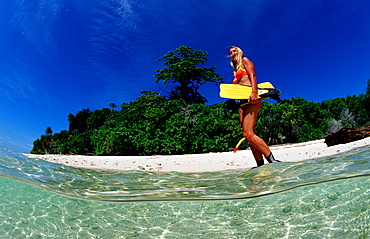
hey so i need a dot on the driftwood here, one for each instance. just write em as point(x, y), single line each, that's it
point(346, 135)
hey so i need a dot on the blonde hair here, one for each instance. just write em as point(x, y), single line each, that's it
point(238, 63)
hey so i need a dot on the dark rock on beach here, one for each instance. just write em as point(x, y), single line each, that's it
point(346, 135)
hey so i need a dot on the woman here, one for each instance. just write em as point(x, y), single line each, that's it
point(244, 74)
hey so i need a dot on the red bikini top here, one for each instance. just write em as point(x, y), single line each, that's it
point(239, 75)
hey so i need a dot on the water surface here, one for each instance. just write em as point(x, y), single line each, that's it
point(320, 198)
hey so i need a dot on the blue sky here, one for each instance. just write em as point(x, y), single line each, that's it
point(60, 56)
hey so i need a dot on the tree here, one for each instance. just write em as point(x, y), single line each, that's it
point(77, 123)
point(97, 118)
point(112, 106)
point(367, 96)
point(183, 70)
point(48, 131)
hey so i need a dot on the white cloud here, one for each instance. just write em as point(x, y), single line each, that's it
point(36, 20)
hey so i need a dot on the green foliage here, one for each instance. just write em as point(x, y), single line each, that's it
point(182, 68)
point(78, 122)
point(150, 125)
point(181, 123)
point(298, 120)
point(153, 124)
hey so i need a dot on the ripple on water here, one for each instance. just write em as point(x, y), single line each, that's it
point(151, 186)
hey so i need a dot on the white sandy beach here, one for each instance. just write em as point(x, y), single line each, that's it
point(241, 160)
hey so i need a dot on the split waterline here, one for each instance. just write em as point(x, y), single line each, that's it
point(323, 197)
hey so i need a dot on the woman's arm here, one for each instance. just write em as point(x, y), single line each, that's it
point(249, 67)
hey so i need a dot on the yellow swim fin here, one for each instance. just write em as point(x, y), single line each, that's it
point(235, 91)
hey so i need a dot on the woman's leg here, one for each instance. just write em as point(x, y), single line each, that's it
point(257, 155)
point(248, 119)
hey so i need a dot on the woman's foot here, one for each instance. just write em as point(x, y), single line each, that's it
point(271, 159)
point(259, 164)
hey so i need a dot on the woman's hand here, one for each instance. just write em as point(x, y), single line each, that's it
point(253, 98)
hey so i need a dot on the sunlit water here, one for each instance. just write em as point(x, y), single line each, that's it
point(320, 198)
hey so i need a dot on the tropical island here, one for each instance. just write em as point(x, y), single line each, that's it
point(182, 123)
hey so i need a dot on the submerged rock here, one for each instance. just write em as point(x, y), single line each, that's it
point(346, 135)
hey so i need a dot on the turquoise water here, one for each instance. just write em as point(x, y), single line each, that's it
point(322, 198)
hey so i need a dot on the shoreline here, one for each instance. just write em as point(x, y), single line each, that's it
point(197, 163)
